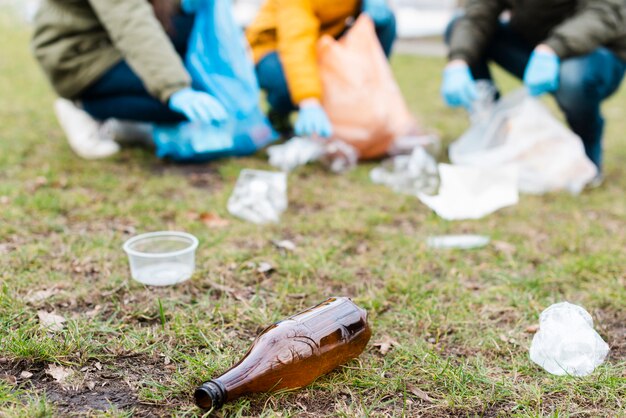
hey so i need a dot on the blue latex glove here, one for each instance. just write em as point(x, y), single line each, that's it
point(192, 6)
point(542, 73)
point(459, 87)
point(312, 120)
point(378, 10)
point(198, 106)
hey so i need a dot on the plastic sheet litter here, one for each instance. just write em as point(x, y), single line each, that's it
point(259, 196)
point(295, 153)
point(521, 131)
point(409, 174)
point(457, 242)
point(566, 343)
point(473, 192)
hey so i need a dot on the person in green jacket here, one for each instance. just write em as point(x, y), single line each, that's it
point(574, 49)
point(120, 60)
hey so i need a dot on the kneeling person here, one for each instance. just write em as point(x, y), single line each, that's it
point(574, 49)
point(283, 38)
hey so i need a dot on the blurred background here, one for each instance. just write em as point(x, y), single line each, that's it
point(416, 18)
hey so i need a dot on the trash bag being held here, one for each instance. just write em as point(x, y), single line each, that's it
point(361, 97)
point(218, 63)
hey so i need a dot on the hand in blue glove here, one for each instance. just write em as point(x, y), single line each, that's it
point(198, 106)
point(542, 72)
point(192, 6)
point(312, 120)
point(378, 10)
point(459, 87)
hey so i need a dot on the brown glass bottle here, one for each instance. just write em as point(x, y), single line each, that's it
point(292, 353)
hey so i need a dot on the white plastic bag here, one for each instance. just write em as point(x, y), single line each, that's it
point(566, 342)
point(472, 192)
point(259, 197)
point(521, 131)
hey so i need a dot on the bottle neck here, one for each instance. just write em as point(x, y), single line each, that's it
point(211, 395)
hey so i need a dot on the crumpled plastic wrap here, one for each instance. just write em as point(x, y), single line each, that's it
point(340, 157)
point(409, 174)
point(259, 196)
point(566, 343)
point(406, 144)
point(336, 155)
point(295, 153)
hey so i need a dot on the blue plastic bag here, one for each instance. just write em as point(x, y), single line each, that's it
point(191, 142)
point(219, 64)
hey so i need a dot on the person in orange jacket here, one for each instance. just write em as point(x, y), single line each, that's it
point(283, 38)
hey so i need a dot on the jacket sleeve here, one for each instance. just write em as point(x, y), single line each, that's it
point(298, 30)
point(473, 31)
point(596, 23)
point(142, 41)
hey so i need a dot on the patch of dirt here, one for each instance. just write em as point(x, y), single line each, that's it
point(612, 327)
point(200, 176)
point(98, 386)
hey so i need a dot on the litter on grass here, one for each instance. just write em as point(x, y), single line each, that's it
point(520, 131)
point(473, 192)
point(162, 258)
point(295, 153)
point(566, 343)
point(336, 155)
point(259, 197)
point(457, 242)
point(406, 144)
point(409, 174)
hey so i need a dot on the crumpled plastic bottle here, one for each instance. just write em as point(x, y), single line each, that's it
point(295, 153)
point(259, 196)
point(409, 174)
point(339, 156)
point(566, 343)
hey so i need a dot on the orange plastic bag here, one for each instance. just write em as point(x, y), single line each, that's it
point(361, 96)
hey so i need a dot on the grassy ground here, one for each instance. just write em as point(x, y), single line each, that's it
point(460, 319)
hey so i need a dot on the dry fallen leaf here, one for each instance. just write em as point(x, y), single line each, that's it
point(285, 244)
point(58, 373)
point(237, 294)
point(386, 344)
point(91, 385)
point(419, 393)
point(26, 375)
point(264, 267)
point(504, 247)
point(10, 379)
point(98, 365)
point(213, 220)
point(51, 321)
point(532, 329)
point(40, 295)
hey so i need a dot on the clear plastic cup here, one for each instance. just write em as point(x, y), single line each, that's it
point(162, 258)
